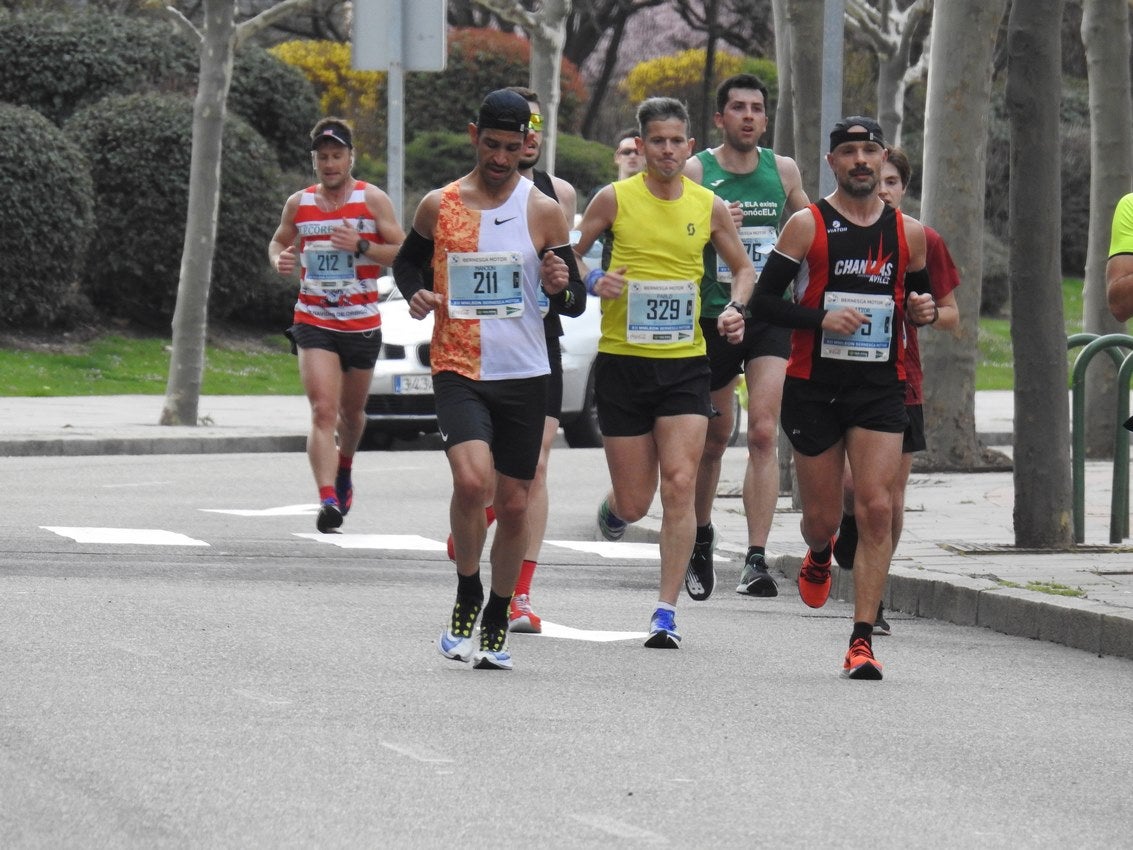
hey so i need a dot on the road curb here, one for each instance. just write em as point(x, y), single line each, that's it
point(77, 447)
point(1071, 621)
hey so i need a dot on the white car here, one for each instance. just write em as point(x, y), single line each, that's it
point(400, 403)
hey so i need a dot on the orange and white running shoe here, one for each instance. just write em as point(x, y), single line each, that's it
point(814, 581)
point(520, 617)
point(860, 663)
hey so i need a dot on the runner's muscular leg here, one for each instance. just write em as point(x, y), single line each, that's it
point(820, 491)
point(715, 443)
point(679, 441)
point(510, 541)
point(875, 460)
point(473, 478)
point(321, 373)
point(352, 409)
point(632, 462)
point(765, 377)
point(538, 502)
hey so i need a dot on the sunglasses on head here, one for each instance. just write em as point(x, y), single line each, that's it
point(626, 151)
point(536, 122)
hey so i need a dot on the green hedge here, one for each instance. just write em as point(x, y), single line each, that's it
point(58, 64)
point(278, 101)
point(139, 150)
point(46, 221)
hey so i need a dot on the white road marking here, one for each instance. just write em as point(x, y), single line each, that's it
point(401, 542)
point(619, 828)
point(416, 755)
point(286, 510)
point(557, 631)
point(620, 551)
point(136, 484)
point(124, 536)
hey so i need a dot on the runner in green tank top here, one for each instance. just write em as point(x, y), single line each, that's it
point(762, 189)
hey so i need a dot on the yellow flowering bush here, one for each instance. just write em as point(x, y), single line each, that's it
point(359, 96)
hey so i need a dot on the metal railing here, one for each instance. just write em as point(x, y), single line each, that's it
point(1119, 500)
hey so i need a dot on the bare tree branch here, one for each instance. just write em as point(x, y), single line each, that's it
point(178, 20)
point(266, 18)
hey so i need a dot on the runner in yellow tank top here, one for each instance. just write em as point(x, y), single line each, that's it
point(651, 375)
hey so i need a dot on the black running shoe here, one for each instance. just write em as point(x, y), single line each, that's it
point(700, 577)
point(330, 516)
point(846, 543)
point(881, 625)
point(755, 580)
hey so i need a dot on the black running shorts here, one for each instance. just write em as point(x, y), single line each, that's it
point(915, 434)
point(815, 416)
point(633, 392)
point(507, 415)
point(728, 360)
point(355, 349)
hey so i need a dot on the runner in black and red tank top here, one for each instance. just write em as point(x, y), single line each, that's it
point(844, 396)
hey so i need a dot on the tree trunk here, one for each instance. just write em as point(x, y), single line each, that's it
point(1105, 33)
point(1043, 507)
point(190, 317)
point(703, 120)
point(955, 166)
point(784, 142)
point(547, 39)
point(804, 18)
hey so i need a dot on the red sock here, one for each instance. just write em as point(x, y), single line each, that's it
point(345, 463)
point(490, 514)
point(327, 493)
point(526, 573)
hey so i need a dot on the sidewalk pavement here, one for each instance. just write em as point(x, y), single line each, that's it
point(956, 560)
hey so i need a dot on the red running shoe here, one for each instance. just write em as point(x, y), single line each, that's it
point(860, 663)
point(814, 581)
point(520, 617)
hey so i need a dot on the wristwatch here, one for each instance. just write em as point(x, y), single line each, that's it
point(362, 247)
point(739, 308)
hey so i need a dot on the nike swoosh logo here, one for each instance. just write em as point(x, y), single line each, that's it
point(714, 184)
point(505, 220)
point(444, 436)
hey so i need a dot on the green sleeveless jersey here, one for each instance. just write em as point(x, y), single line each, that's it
point(763, 198)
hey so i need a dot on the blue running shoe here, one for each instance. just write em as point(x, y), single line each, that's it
point(455, 641)
point(330, 516)
point(493, 654)
point(344, 489)
point(612, 527)
point(663, 632)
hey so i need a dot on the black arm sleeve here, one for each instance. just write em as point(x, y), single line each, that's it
point(768, 304)
point(412, 269)
point(918, 282)
point(572, 300)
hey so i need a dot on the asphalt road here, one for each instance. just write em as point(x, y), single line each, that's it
point(250, 683)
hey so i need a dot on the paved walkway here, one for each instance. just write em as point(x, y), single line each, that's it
point(956, 560)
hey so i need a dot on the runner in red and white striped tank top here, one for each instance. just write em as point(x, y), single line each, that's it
point(338, 233)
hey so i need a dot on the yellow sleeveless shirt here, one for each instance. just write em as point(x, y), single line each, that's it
point(656, 240)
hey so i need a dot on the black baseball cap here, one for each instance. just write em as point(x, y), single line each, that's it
point(842, 133)
point(504, 109)
point(334, 132)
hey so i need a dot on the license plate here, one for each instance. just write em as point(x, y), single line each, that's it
point(412, 384)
